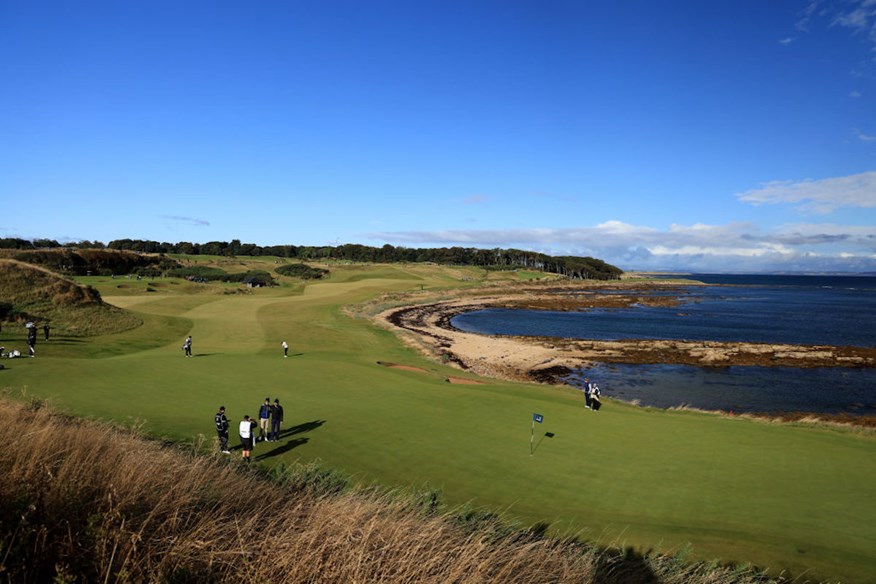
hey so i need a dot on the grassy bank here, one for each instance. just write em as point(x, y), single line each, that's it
point(87, 502)
point(787, 498)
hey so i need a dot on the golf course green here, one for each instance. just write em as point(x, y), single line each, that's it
point(792, 498)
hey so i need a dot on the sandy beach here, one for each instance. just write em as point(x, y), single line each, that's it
point(424, 321)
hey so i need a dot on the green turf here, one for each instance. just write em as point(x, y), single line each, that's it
point(785, 497)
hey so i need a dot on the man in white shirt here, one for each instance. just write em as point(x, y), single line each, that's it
point(246, 437)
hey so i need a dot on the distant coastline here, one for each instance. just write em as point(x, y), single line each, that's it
point(425, 322)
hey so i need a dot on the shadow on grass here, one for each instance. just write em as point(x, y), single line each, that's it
point(284, 446)
point(540, 440)
point(624, 567)
point(64, 341)
point(301, 428)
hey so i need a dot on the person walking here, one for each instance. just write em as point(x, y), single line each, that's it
point(222, 430)
point(588, 389)
point(285, 346)
point(265, 420)
point(187, 346)
point(31, 339)
point(46, 330)
point(276, 420)
point(246, 437)
point(595, 403)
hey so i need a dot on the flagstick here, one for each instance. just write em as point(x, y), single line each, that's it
point(531, 436)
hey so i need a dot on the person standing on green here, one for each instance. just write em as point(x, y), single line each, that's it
point(246, 437)
point(265, 420)
point(222, 430)
point(276, 420)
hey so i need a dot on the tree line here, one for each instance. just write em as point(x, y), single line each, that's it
point(569, 266)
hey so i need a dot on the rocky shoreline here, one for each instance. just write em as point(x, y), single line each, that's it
point(425, 322)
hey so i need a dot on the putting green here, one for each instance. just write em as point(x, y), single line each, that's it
point(784, 497)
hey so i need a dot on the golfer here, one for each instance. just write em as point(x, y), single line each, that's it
point(246, 437)
point(265, 420)
point(595, 403)
point(588, 390)
point(285, 346)
point(31, 339)
point(276, 420)
point(222, 430)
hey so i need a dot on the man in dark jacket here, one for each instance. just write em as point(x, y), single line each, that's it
point(276, 420)
point(31, 339)
point(222, 430)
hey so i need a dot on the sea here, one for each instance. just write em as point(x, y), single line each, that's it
point(794, 309)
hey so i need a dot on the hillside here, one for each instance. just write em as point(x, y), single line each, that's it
point(32, 293)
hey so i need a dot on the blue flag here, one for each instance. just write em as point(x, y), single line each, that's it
point(538, 418)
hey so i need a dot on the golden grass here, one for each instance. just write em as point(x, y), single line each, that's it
point(83, 501)
point(39, 294)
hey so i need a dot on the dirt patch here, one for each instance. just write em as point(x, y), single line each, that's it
point(402, 367)
point(462, 381)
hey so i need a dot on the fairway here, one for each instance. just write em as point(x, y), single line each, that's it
point(784, 497)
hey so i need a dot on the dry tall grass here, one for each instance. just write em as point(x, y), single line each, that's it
point(85, 502)
point(39, 294)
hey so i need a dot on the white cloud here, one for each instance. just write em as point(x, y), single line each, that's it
point(786, 41)
point(700, 247)
point(859, 17)
point(475, 200)
point(819, 196)
point(856, 94)
point(188, 220)
point(864, 137)
point(807, 14)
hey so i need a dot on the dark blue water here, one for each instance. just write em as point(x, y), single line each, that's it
point(833, 310)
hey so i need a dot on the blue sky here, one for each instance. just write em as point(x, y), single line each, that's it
point(685, 135)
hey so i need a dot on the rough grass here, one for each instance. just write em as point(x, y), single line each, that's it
point(41, 295)
point(84, 501)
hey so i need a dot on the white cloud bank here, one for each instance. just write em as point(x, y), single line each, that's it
point(735, 247)
point(818, 196)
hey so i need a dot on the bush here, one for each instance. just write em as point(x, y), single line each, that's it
point(201, 273)
point(302, 271)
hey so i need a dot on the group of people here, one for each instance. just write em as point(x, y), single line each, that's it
point(269, 421)
point(591, 396)
point(31, 341)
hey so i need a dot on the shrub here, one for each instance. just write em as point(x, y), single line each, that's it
point(302, 271)
point(203, 273)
